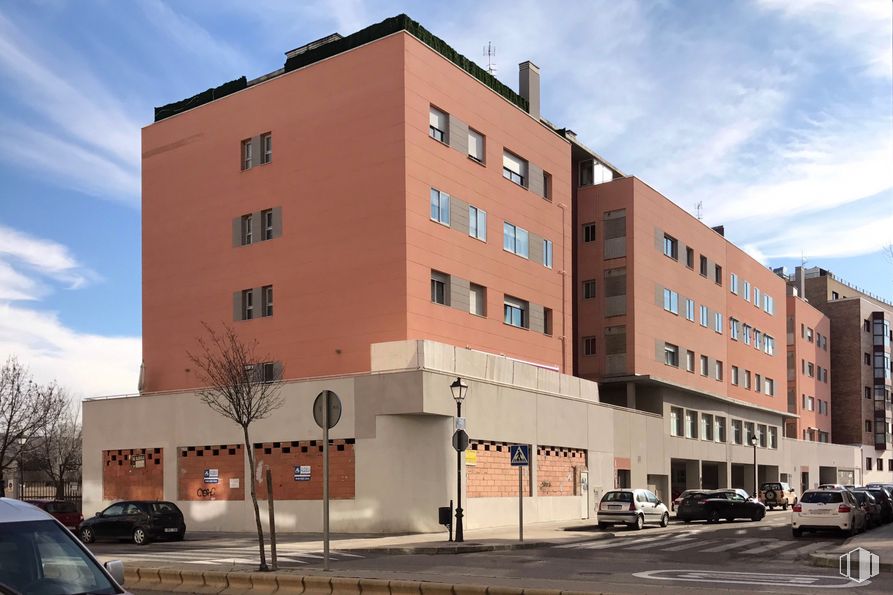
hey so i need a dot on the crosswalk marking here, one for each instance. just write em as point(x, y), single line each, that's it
point(686, 546)
point(730, 546)
point(670, 541)
point(766, 547)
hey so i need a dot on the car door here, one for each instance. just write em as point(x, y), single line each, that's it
point(132, 517)
point(652, 511)
point(105, 525)
point(738, 505)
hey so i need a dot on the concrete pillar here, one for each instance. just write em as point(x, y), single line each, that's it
point(725, 474)
point(692, 475)
point(631, 395)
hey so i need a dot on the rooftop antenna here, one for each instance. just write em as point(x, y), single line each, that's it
point(700, 209)
point(490, 53)
point(803, 274)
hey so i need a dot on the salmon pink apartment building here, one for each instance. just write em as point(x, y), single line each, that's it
point(383, 216)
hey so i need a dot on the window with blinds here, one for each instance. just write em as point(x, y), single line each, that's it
point(438, 125)
point(514, 168)
point(476, 145)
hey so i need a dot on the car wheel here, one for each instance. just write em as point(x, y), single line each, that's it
point(757, 515)
point(797, 532)
point(640, 522)
point(87, 535)
point(140, 537)
point(771, 507)
point(714, 517)
point(665, 520)
point(730, 519)
point(603, 526)
point(784, 506)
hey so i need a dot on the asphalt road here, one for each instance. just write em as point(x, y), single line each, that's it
point(741, 556)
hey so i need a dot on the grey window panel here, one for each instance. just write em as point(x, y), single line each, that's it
point(535, 179)
point(615, 364)
point(255, 151)
point(458, 135)
point(537, 318)
point(459, 214)
point(459, 289)
point(257, 297)
point(615, 248)
point(659, 239)
point(615, 214)
point(615, 283)
point(615, 228)
point(278, 369)
point(277, 222)
point(615, 306)
point(659, 350)
point(257, 228)
point(237, 232)
point(237, 305)
point(615, 340)
point(659, 295)
point(535, 247)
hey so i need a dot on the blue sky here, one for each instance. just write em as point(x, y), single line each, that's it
point(775, 115)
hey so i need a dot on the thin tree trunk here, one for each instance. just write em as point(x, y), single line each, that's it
point(260, 530)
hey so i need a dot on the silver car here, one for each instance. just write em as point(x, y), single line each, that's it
point(633, 508)
point(38, 556)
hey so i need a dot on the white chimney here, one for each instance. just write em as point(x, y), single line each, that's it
point(529, 86)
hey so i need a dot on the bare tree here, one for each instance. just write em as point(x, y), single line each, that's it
point(57, 449)
point(240, 387)
point(25, 408)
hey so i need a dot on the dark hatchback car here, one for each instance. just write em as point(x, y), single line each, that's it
point(716, 505)
point(65, 512)
point(884, 501)
point(138, 520)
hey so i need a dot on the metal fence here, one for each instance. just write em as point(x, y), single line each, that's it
point(41, 490)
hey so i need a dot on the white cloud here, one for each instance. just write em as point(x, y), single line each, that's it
point(87, 365)
point(24, 257)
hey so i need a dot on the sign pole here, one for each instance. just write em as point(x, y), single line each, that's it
point(272, 520)
point(325, 482)
point(520, 504)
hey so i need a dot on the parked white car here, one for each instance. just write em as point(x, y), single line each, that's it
point(827, 509)
point(633, 508)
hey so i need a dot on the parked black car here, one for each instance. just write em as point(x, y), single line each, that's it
point(716, 505)
point(139, 520)
point(869, 504)
point(884, 501)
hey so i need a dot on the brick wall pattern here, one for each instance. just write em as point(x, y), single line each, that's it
point(283, 457)
point(558, 470)
point(227, 459)
point(133, 474)
point(493, 476)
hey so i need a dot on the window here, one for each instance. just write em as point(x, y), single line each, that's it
point(769, 345)
point(593, 172)
point(809, 333)
point(769, 386)
point(671, 247)
point(735, 378)
point(703, 268)
point(440, 288)
point(868, 463)
point(705, 316)
point(747, 379)
point(733, 283)
point(671, 355)
point(747, 334)
point(247, 235)
point(748, 431)
point(247, 304)
point(588, 345)
point(515, 312)
point(757, 382)
point(733, 329)
point(768, 304)
point(704, 365)
point(267, 300)
point(690, 361)
point(737, 437)
point(547, 253)
point(773, 437)
point(266, 147)
point(514, 168)
point(477, 223)
point(717, 371)
point(477, 299)
point(717, 275)
point(476, 145)
point(247, 154)
point(440, 206)
point(691, 424)
point(835, 295)
point(690, 310)
point(868, 425)
point(589, 289)
point(266, 218)
point(438, 124)
point(747, 291)
point(810, 403)
point(547, 185)
point(547, 321)
point(706, 427)
point(761, 435)
point(514, 239)
point(720, 429)
point(671, 301)
point(756, 297)
point(757, 339)
point(690, 258)
point(589, 232)
point(717, 322)
point(675, 421)
point(880, 464)
point(867, 359)
point(810, 369)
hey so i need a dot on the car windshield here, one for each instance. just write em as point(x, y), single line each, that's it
point(41, 557)
point(164, 507)
point(821, 498)
point(695, 497)
point(618, 497)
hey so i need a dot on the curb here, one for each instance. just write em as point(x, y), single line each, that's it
point(466, 548)
point(833, 561)
point(261, 583)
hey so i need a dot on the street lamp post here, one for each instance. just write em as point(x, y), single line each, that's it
point(21, 442)
point(756, 487)
point(459, 390)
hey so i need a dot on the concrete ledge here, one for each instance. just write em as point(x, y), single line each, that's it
point(263, 583)
point(453, 548)
point(833, 561)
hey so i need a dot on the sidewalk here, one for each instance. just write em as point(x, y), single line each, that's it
point(878, 541)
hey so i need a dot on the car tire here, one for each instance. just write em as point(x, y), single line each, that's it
point(770, 495)
point(640, 522)
point(714, 517)
point(730, 519)
point(87, 535)
point(784, 506)
point(665, 520)
point(757, 515)
point(603, 526)
point(140, 537)
point(797, 532)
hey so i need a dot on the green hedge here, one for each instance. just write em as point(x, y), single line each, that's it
point(166, 111)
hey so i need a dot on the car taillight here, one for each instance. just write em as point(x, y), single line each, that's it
point(632, 506)
point(843, 508)
point(797, 508)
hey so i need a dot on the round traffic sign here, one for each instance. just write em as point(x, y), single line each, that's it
point(330, 400)
point(460, 440)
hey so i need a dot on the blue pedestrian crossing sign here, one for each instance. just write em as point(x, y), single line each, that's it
point(520, 455)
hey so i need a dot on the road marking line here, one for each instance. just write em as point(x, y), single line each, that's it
point(686, 546)
point(767, 547)
point(660, 542)
point(733, 545)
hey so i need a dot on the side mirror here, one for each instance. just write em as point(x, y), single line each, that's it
point(98, 514)
point(659, 501)
point(116, 569)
